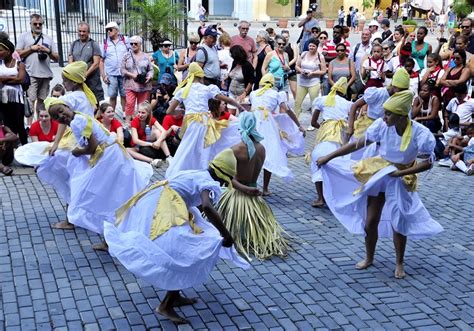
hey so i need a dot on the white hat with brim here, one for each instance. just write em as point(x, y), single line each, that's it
point(374, 23)
point(112, 25)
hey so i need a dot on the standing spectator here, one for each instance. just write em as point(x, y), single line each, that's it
point(247, 42)
point(187, 54)
point(340, 16)
point(442, 22)
point(44, 129)
point(387, 55)
point(7, 144)
point(113, 50)
point(387, 33)
point(310, 67)
point(208, 58)
point(137, 71)
point(466, 26)
point(166, 59)
point(373, 69)
point(348, 17)
point(263, 48)
point(395, 11)
point(420, 48)
point(404, 11)
point(341, 66)
point(241, 74)
point(426, 108)
point(355, 20)
point(451, 19)
point(430, 18)
point(292, 51)
point(399, 61)
point(272, 36)
point(88, 50)
point(374, 30)
point(433, 73)
point(201, 13)
point(108, 120)
point(36, 49)
point(398, 40)
point(12, 74)
point(315, 31)
point(329, 52)
point(359, 53)
point(276, 62)
point(225, 59)
point(307, 24)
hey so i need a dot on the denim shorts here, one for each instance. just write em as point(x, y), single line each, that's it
point(115, 87)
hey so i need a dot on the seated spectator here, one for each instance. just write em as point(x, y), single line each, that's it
point(148, 143)
point(219, 110)
point(58, 91)
point(8, 141)
point(172, 125)
point(414, 75)
point(426, 108)
point(462, 105)
point(44, 129)
point(442, 150)
point(163, 94)
point(463, 152)
point(108, 120)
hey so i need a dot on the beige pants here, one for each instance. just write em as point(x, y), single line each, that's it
point(301, 93)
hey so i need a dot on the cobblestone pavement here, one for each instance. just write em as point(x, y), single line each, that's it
point(52, 279)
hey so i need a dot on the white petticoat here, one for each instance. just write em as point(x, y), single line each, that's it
point(191, 154)
point(293, 141)
point(276, 161)
point(53, 171)
point(178, 258)
point(403, 211)
point(320, 150)
point(97, 192)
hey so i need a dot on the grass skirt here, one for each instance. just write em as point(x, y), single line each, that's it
point(252, 225)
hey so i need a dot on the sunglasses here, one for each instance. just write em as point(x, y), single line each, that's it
point(166, 45)
point(193, 43)
point(323, 37)
point(281, 44)
point(465, 26)
point(38, 24)
point(458, 58)
point(133, 44)
point(109, 29)
point(340, 50)
point(385, 48)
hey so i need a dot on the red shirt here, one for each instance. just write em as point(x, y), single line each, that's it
point(140, 131)
point(330, 48)
point(247, 43)
point(35, 130)
point(114, 125)
point(224, 116)
point(170, 120)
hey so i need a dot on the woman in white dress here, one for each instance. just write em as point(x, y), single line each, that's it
point(161, 236)
point(377, 195)
point(99, 165)
point(281, 134)
point(202, 137)
point(333, 110)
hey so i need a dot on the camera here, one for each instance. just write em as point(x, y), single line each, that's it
point(42, 56)
point(141, 78)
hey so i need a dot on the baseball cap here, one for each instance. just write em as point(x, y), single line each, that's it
point(211, 31)
point(112, 25)
point(166, 79)
point(385, 22)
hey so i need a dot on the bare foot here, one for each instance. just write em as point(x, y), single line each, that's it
point(399, 271)
point(183, 301)
point(101, 247)
point(318, 204)
point(171, 314)
point(266, 193)
point(64, 225)
point(364, 264)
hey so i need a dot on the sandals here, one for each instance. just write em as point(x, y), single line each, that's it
point(7, 171)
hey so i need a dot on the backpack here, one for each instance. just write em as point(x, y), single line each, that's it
point(193, 59)
point(106, 44)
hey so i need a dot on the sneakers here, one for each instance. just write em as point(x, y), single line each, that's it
point(470, 170)
point(156, 163)
point(445, 162)
point(310, 128)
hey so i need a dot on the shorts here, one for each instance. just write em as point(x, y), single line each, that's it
point(115, 87)
point(39, 89)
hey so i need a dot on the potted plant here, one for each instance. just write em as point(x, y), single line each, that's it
point(409, 25)
point(282, 22)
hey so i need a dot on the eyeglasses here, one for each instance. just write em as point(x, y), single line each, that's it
point(133, 44)
point(465, 26)
point(38, 24)
point(109, 29)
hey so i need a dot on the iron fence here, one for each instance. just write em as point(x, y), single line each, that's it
point(61, 18)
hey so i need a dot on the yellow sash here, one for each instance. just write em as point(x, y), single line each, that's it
point(331, 130)
point(361, 125)
point(214, 127)
point(366, 168)
point(170, 211)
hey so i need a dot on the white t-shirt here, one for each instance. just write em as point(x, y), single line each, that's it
point(394, 64)
point(464, 110)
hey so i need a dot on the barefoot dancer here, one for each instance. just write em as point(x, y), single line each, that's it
point(161, 236)
point(102, 174)
point(247, 216)
point(387, 203)
point(334, 110)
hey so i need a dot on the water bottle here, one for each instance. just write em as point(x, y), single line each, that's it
point(148, 133)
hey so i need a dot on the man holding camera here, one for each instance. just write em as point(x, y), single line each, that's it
point(37, 50)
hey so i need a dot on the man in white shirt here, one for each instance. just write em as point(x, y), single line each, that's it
point(374, 27)
point(358, 53)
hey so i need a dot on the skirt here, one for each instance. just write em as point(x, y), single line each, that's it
point(403, 211)
point(175, 260)
point(322, 149)
point(252, 224)
point(292, 139)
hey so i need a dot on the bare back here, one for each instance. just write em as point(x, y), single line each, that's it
point(248, 170)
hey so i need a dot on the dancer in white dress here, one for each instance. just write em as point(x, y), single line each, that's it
point(334, 110)
point(267, 103)
point(161, 236)
point(100, 165)
point(386, 203)
point(202, 137)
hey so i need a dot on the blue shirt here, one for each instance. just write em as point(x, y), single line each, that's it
point(113, 55)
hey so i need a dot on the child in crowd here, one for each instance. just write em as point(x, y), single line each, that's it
point(462, 151)
point(373, 68)
point(58, 91)
point(414, 75)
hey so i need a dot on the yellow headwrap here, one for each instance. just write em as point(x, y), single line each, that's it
point(401, 79)
point(225, 165)
point(341, 87)
point(76, 72)
point(400, 104)
point(48, 102)
point(267, 82)
point(194, 70)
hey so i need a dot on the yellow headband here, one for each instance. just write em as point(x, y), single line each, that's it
point(48, 102)
point(76, 72)
point(401, 79)
point(194, 70)
point(341, 87)
point(400, 104)
point(225, 166)
point(267, 82)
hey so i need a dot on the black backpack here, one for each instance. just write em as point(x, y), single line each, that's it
point(193, 59)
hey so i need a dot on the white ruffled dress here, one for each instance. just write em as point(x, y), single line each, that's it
point(178, 258)
point(403, 210)
point(191, 153)
point(98, 191)
point(339, 112)
point(266, 107)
